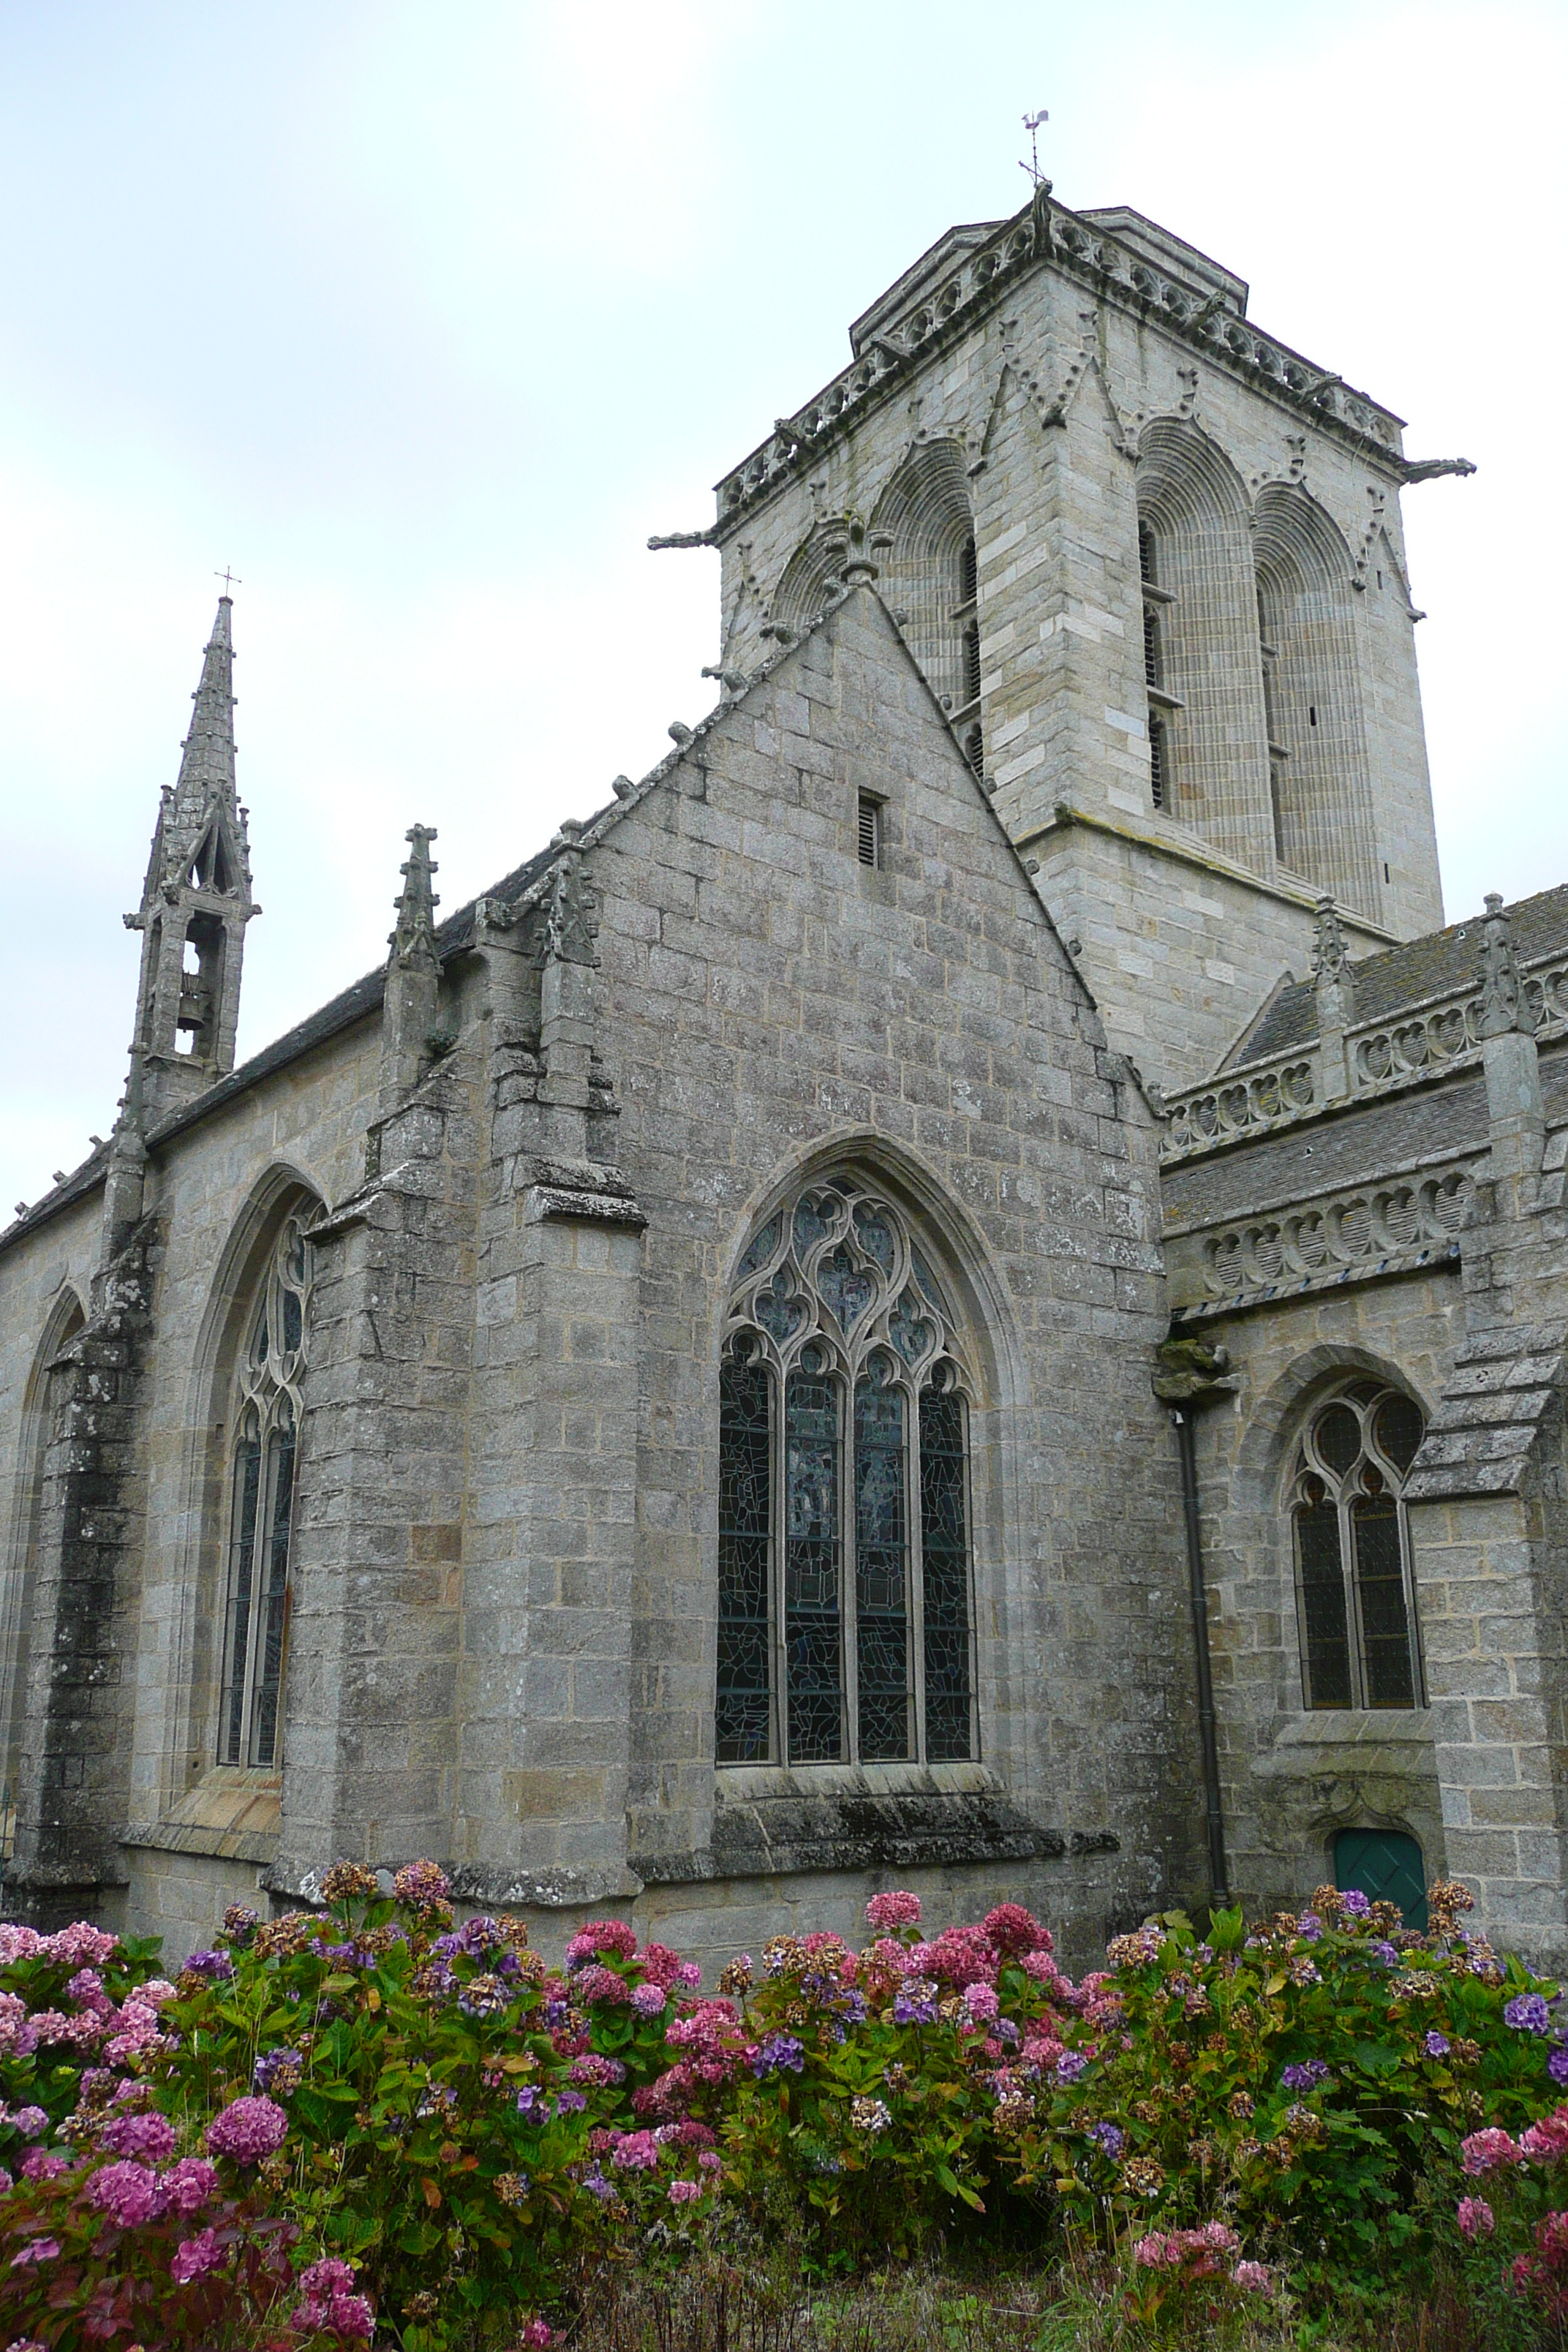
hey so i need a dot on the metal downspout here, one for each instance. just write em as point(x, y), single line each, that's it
point(1214, 1807)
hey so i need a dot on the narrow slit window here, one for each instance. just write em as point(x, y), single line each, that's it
point(972, 663)
point(1157, 762)
point(868, 841)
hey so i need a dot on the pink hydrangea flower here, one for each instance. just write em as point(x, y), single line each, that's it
point(601, 1936)
point(1476, 2217)
point(195, 2257)
point(685, 2192)
point(1544, 2141)
point(1256, 2277)
point(329, 2277)
point(18, 1944)
point(1483, 2151)
point(248, 2129)
point(897, 1908)
point(190, 2184)
point(981, 2001)
point(635, 2152)
point(128, 2193)
point(689, 1976)
point(709, 2159)
point(660, 1966)
point(17, 2031)
point(535, 2335)
point(80, 1943)
point(30, 2121)
point(1015, 1931)
point(603, 1985)
point(39, 2165)
point(148, 2138)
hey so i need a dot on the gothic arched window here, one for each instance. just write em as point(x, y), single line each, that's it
point(845, 1626)
point(266, 1424)
point(1354, 1597)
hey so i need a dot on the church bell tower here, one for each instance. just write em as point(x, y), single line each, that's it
point(195, 904)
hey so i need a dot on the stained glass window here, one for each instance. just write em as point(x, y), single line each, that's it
point(1355, 1600)
point(256, 1616)
point(845, 1626)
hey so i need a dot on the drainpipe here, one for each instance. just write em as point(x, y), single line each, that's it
point(1191, 1375)
point(1213, 1809)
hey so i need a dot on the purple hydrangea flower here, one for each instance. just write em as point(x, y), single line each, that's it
point(148, 2138)
point(248, 2130)
point(1385, 1953)
point(1353, 1903)
point(210, 1964)
point(1557, 2064)
point(570, 2102)
point(779, 2051)
point(915, 2002)
point(1109, 2138)
point(533, 2103)
point(1437, 2045)
point(1070, 2065)
point(1305, 2076)
point(1526, 2013)
point(273, 2062)
point(1309, 1926)
point(649, 2000)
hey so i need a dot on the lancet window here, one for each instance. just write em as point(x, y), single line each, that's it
point(1355, 1600)
point(845, 1618)
point(266, 1423)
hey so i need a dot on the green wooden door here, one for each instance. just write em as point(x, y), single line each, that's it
point(1386, 1865)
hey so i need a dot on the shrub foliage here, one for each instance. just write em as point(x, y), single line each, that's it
point(372, 2121)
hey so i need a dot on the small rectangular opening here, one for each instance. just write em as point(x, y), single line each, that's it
point(868, 842)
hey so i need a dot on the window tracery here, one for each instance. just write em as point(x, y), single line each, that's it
point(266, 1423)
point(844, 1624)
point(1356, 1599)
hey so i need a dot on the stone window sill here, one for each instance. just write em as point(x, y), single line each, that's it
point(232, 1815)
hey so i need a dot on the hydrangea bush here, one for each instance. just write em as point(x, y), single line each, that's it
point(1297, 2080)
point(368, 2118)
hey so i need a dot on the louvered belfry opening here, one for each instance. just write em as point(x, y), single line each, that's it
point(868, 841)
point(1157, 762)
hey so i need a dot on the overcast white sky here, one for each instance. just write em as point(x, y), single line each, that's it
point(424, 317)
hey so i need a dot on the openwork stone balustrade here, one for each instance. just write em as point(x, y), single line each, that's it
point(1380, 1057)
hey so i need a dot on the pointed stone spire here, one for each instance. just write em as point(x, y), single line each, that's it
point(195, 904)
point(1503, 1005)
point(413, 973)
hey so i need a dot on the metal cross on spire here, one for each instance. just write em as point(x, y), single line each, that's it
point(1032, 125)
point(231, 580)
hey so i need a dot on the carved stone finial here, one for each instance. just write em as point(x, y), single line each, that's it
point(1503, 1004)
point(413, 941)
point(573, 919)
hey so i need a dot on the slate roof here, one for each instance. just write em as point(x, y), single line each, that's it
point(1434, 965)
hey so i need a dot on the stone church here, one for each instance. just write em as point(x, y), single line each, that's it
point(961, 1288)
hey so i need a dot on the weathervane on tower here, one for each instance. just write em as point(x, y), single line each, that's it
point(1032, 125)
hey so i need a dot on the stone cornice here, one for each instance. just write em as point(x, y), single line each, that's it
point(933, 320)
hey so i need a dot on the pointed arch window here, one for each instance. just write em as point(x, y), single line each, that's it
point(1354, 1595)
point(846, 1627)
point(261, 1509)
